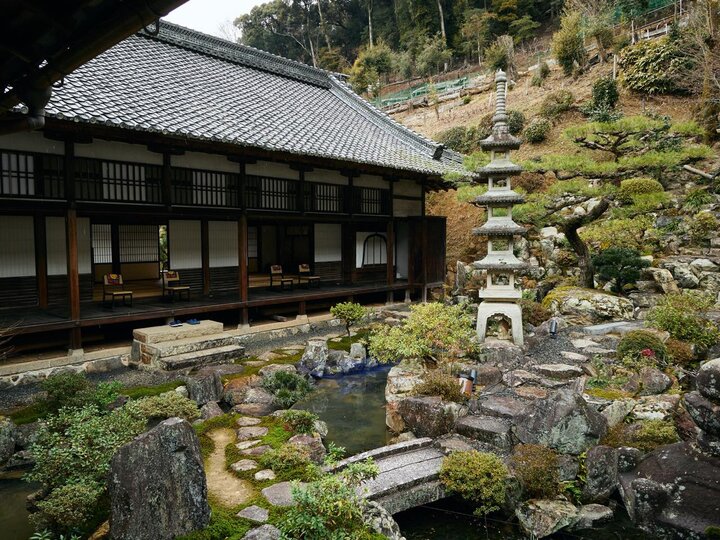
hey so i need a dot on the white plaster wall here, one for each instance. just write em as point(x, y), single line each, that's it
point(328, 242)
point(17, 255)
point(367, 180)
point(184, 240)
point(57, 247)
point(409, 188)
point(223, 243)
point(360, 243)
point(199, 160)
point(32, 141)
point(268, 168)
point(100, 149)
point(326, 176)
point(402, 249)
point(405, 208)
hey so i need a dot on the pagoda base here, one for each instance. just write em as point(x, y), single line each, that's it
point(512, 311)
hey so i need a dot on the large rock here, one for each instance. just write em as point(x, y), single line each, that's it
point(588, 306)
point(684, 275)
point(708, 379)
point(601, 465)
point(8, 435)
point(157, 485)
point(704, 412)
point(674, 492)
point(381, 521)
point(314, 358)
point(488, 430)
point(342, 363)
point(562, 421)
point(205, 389)
point(653, 381)
point(401, 381)
point(664, 279)
point(312, 443)
point(502, 354)
point(542, 517)
point(430, 416)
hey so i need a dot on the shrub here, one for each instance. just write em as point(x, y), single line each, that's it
point(536, 80)
point(654, 67)
point(456, 138)
point(633, 233)
point(679, 352)
point(496, 56)
point(300, 421)
point(438, 383)
point(635, 345)
point(702, 224)
point(330, 508)
point(478, 477)
point(516, 121)
point(544, 70)
point(682, 316)
point(537, 131)
point(349, 313)
point(638, 186)
point(605, 93)
point(534, 312)
point(290, 461)
point(556, 103)
point(74, 390)
point(697, 198)
point(536, 468)
point(530, 182)
point(568, 45)
point(646, 435)
point(288, 388)
point(431, 332)
point(68, 507)
point(167, 405)
point(621, 265)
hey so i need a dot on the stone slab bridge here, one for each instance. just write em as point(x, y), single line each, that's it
point(409, 474)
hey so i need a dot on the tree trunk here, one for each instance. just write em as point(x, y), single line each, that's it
point(370, 27)
point(587, 270)
point(601, 50)
point(442, 29)
point(322, 25)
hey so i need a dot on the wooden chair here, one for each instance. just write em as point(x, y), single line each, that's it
point(304, 274)
point(113, 287)
point(276, 274)
point(171, 285)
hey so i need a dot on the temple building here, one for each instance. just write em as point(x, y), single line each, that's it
point(500, 295)
point(177, 162)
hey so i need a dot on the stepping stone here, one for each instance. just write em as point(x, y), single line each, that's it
point(501, 406)
point(254, 409)
point(619, 327)
point(244, 465)
point(269, 355)
point(272, 368)
point(486, 429)
point(247, 444)
point(573, 356)
point(245, 421)
point(257, 451)
point(281, 494)
point(254, 513)
point(266, 532)
point(255, 363)
point(265, 474)
point(559, 371)
point(531, 392)
point(600, 351)
point(251, 432)
point(583, 343)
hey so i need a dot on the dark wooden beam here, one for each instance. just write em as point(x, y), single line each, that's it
point(41, 260)
point(167, 180)
point(205, 251)
point(243, 258)
point(390, 254)
point(301, 192)
point(115, 247)
point(70, 172)
point(71, 242)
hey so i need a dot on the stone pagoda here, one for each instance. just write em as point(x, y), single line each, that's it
point(500, 297)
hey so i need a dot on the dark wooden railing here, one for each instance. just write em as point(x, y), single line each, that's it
point(117, 181)
point(371, 201)
point(269, 193)
point(30, 175)
point(194, 187)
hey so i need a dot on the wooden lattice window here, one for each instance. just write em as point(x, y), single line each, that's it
point(102, 243)
point(374, 250)
point(139, 243)
point(18, 174)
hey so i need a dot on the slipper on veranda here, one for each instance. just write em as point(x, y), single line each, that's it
point(192, 321)
point(175, 323)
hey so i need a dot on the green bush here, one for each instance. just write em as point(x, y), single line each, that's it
point(433, 331)
point(516, 122)
point(288, 388)
point(536, 468)
point(456, 138)
point(544, 70)
point(534, 312)
point(682, 316)
point(74, 390)
point(537, 131)
point(638, 186)
point(568, 45)
point(300, 421)
point(167, 405)
point(605, 93)
point(330, 508)
point(679, 352)
point(438, 383)
point(496, 56)
point(556, 103)
point(654, 67)
point(349, 313)
point(702, 224)
point(536, 80)
point(645, 435)
point(637, 343)
point(478, 477)
point(620, 265)
point(68, 506)
point(290, 462)
point(697, 198)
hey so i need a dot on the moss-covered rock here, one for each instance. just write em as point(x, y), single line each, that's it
point(587, 306)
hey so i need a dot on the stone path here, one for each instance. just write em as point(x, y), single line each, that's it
point(224, 486)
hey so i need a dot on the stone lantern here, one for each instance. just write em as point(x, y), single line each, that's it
point(500, 296)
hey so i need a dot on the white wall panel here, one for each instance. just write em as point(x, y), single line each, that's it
point(409, 188)
point(328, 242)
point(367, 180)
point(57, 247)
point(268, 168)
point(118, 151)
point(17, 254)
point(223, 243)
point(210, 162)
point(184, 240)
point(32, 141)
point(405, 208)
point(326, 176)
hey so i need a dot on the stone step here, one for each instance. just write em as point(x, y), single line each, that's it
point(194, 344)
point(506, 407)
point(486, 429)
point(161, 334)
point(217, 355)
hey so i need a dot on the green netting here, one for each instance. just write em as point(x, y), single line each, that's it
point(422, 90)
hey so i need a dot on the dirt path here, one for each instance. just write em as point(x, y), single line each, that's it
point(225, 487)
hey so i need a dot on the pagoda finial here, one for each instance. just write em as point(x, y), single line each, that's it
point(500, 117)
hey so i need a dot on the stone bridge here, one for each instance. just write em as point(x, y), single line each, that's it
point(408, 474)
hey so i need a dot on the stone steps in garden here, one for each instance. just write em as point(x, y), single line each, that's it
point(215, 355)
point(486, 429)
point(194, 344)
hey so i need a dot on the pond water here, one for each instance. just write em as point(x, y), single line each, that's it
point(14, 522)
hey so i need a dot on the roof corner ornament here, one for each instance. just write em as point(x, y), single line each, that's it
point(438, 152)
point(153, 28)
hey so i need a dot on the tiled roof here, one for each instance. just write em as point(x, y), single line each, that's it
point(184, 83)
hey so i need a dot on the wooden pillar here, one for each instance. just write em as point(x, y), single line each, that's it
point(71, 241)
point(390, 254)
point(243, 258)
point(167, 180)
point(70, 193)
point(41, 260)
point(302, 307)
point(115, 248)
point(205, 254)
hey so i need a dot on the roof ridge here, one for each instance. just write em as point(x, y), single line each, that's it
point(223, 49)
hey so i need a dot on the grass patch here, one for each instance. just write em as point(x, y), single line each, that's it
point(223, 524)
point(343, 343)
point(284, 358)
point(226, 421)
point(28, 414)
point(137, 392)
point(607, 393)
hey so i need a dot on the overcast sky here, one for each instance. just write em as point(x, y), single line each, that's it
point(211, 16)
